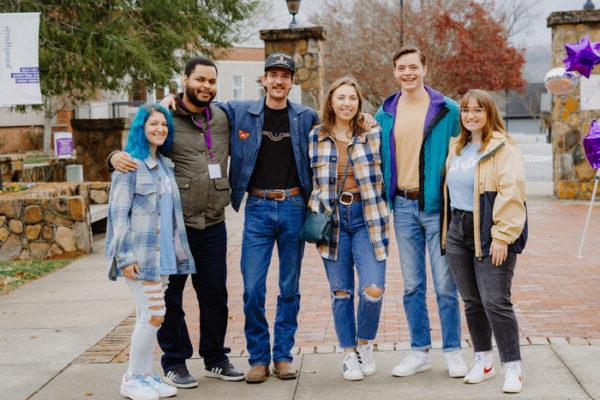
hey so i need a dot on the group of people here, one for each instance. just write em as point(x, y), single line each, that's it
point(449, 174)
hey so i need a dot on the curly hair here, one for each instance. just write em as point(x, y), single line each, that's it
point(137, 144)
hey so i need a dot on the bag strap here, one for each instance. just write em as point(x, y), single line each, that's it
point(341, 188)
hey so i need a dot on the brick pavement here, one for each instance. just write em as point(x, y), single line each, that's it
point(555, 294)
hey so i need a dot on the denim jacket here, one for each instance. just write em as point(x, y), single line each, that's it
point(246, 119)
point(133, 226)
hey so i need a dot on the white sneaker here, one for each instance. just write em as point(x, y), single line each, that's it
point(483, 368)
point(163, 389)
point(513, 380)
point(415, 361)
point(351, 369)
point(136, 388)
point(456, 364)
point(365, 359)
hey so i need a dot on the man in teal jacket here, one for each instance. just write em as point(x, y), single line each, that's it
point(417, 123)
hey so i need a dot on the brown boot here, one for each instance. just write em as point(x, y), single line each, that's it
point(284, 370)
point(257, 374)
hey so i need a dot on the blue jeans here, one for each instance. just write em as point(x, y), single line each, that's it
point(355, 249)
point(415, 230)
point(265, 223)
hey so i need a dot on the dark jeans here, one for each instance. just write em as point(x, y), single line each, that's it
point(485, 290)
point(209, 249)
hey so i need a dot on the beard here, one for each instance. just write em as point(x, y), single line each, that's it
point(191, 96)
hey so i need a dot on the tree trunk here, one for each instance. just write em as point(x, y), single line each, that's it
point(48, 114)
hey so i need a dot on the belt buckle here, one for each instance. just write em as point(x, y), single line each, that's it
point(346, 202)
point(281, 194)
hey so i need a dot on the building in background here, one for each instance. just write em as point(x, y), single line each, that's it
point(240, 69)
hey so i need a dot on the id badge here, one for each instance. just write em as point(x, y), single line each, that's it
point(214, 171)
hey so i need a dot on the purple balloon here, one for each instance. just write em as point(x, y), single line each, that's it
point(581, 56)
point(591, 145)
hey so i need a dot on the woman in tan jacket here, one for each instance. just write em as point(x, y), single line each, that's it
point(485, 227)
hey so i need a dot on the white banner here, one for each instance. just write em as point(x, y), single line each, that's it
point(19, 68)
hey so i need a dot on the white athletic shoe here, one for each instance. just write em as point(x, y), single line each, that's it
point(135, 387)
point(351, 368)
point(456, 364)
point(365, 359)
point(163, 389)
point(513, 379)
point(415, 361)
point(483, 368)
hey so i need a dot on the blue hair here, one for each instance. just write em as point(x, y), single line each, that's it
point(137, 144)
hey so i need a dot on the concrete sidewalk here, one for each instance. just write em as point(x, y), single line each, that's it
point(47, 323)
point(550, 372)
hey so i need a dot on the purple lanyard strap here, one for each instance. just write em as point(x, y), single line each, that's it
point(207, 137)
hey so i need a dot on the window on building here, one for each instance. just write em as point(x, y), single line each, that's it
point(238, 87)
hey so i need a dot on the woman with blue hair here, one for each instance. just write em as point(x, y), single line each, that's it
point(146, 242)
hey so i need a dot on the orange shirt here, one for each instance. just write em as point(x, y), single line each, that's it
point(350, 185)
point(408, 134)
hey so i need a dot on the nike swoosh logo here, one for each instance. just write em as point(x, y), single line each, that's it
point(487, 370)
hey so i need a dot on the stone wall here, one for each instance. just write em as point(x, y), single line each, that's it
point(49, 220)
point(10, 164)
point(306, 46)
point(572, 175)
point(94, 140)
point(53, 171)
point(13, 166)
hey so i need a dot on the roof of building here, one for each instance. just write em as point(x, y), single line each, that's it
point(242, 54)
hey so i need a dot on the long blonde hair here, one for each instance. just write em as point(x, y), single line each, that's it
point(493, 120)
point(328, 115)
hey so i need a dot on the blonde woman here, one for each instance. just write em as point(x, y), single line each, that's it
point(485, 227)
point(343, 153)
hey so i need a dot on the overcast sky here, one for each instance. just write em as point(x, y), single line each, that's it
point(538, 34)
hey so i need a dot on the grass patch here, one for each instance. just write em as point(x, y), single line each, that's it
point(15, 273)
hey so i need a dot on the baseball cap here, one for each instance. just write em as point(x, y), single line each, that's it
point(280, 60)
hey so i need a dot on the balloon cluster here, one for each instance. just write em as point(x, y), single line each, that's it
point(591, 145)
point(581, 58)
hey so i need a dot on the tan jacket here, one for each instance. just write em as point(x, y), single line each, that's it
point(499, 210)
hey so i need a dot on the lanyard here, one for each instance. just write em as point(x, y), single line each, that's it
point(207, 137)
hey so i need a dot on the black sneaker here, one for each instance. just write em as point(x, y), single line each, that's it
point(227, 372)
point(180, 377)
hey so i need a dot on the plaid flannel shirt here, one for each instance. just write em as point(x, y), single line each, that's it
point(133, 225)
point(366, 162)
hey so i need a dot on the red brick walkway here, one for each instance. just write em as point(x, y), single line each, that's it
point(555, 293)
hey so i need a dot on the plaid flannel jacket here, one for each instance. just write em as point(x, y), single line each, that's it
point(133, 225)
point(366, 163)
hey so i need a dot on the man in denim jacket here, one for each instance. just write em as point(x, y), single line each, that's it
point(269, 160)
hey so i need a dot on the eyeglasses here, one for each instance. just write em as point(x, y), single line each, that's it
point(476, 111)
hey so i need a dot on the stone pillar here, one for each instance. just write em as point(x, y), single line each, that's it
point(572, 175)
point(306, 46)
point(94, 140)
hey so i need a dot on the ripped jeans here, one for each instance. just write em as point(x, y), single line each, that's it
point(149, 314)
point(355, 251)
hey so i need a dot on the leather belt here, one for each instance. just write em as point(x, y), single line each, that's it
point(408, 194)
point(347, 198)
point(274, 194)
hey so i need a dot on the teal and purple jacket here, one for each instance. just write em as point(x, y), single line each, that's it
point(441, 123)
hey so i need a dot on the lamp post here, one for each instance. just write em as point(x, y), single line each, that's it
point(401, 23)
point(293, 7)
point(589, 5)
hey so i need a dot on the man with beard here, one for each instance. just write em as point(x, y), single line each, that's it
point(200, 151)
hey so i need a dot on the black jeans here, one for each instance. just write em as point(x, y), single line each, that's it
point(485, 290)
point(209, 249)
